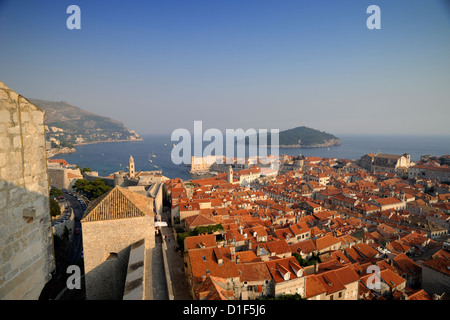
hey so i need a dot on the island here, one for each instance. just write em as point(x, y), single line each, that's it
point(302, 137)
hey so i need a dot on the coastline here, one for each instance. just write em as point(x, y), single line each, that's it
point(94, 142)
point(55, 151)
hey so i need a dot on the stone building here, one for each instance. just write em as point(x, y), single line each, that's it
point(26, 243)
point(436, 276)
point(385, 162)
point(112, 224)
point(429, 172)
point(63, 176)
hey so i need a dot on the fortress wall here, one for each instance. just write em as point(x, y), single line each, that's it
point(26, 242)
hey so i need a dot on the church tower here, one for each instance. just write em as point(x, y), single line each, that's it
point(230, 174)
point(131, 166)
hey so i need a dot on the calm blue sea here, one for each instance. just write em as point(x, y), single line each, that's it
point(110, 157)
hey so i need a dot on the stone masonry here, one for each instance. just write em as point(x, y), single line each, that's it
point(26, 242)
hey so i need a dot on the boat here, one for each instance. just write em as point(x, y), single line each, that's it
point(153, 155)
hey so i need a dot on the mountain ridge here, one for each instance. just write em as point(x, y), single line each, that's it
point(68, 125)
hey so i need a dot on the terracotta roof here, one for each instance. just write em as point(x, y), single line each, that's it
point(406, 265)
point(279, 267)
point(392, 279)
point(197, 242)
point(326, 241)
point(305, 247)
point(254, 271)
point(419, 295)
point(199, 220)
point(206, 262)
point(331, 282)
point(59, 161)
point(313, 286)
point(278, 246)
point(118, 203)
point(439, 264)
point(213, 288)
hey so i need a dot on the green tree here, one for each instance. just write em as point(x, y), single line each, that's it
point(54, 208)
point(92, 189)
point(304, 263)
point(55, 192)
point(85, 170)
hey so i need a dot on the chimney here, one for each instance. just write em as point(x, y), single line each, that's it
point(238, 259)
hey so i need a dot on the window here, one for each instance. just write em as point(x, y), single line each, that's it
point(340, 294)
point(331, 297)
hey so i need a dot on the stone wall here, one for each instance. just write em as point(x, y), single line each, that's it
point(106, 248)
point(26, 242)
point(434, 281)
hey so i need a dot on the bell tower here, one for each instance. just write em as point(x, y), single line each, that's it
point(230, 174)
point(131, 166)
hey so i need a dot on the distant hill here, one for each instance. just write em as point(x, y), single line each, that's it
point(68, 125)
point(307, 138)
point(304, 137)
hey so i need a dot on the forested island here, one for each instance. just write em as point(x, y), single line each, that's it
point(303, 137)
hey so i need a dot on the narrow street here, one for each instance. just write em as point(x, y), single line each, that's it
point(175, 261)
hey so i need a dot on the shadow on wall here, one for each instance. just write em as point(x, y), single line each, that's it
point(107, 280)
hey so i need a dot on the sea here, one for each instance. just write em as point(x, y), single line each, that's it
point(109, 157)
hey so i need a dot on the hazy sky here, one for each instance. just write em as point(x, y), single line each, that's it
point(160, 65)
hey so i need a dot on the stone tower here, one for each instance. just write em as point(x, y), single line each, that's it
point(230, 174)
point(131, 166)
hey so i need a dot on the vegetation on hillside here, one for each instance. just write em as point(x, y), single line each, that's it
point(71, 125)
point(303, 137)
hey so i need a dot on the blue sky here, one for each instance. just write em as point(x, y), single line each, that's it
point(160, 65)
